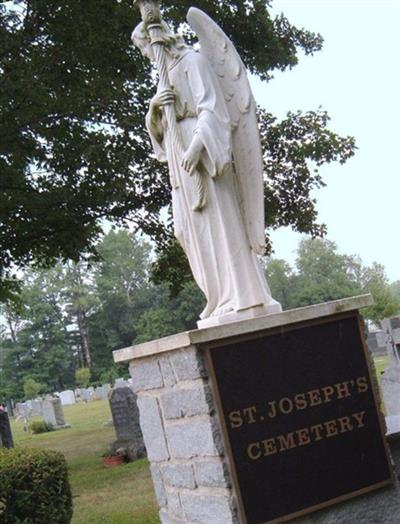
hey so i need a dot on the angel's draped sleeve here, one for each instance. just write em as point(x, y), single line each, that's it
point(213, 122)
point(199, 96)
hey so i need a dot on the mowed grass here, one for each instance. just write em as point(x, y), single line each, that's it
point(381, 363)
point(122, 495)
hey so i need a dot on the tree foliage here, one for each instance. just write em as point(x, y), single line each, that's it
point(322, 274)
point(43, 345)
point(73, 148)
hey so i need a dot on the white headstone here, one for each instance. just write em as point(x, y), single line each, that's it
point(67, 398)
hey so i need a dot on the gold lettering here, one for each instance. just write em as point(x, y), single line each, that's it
point(269, 447)
point(289, 407)
point(300, 401)
point(345, 424)
point(254, 455)
point(235, 419)
point(303, 436)
point(317, 431)
point(315, 397)
point(250, 413)
point(359, 418)
point(342, 390)
point(330, 428)
point(286, 441)
point(362, 384)
point(272, 412)
point(328, 391)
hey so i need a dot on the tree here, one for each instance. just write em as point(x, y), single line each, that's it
point(374, 280)
point(40, 345)
point(280, 280)
point(322, 274)
point(79, 294)
point(32, 388)
point(73, 148)
point(82, 377)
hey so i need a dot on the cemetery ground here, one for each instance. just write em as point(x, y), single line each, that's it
point(111, 496)
point(123, 495)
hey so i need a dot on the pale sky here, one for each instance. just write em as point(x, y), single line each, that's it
point(356, 78)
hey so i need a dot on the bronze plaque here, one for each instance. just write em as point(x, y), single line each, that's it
point(300, 418)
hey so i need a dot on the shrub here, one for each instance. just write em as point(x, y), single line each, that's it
point(39, 426)
point(34, 487)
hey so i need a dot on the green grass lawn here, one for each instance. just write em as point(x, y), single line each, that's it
point(381, 363)
point(122, 495)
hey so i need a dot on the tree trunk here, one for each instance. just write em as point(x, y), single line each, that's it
point(84, 336)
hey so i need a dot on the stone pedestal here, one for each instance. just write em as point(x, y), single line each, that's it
point(186, 440)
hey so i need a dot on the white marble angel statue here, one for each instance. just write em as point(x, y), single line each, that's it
point(212, 146)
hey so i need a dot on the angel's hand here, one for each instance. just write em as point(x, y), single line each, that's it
point(191, 158)
point(163, 98)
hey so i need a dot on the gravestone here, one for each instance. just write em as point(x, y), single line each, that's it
point(53, 414)
point(390, 379)
point(125, 415)
point(67, 398)
point(22, 410)
point(101, 392)
point(6, 439)
point(85, 395)
point(120, 383)
point(36, 407)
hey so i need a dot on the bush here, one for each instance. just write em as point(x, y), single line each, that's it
point(34, 487)
point(39, 426)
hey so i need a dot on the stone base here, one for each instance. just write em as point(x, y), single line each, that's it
point(129, 449)
point(182, 431)
point(64, 426)
point(237, 316)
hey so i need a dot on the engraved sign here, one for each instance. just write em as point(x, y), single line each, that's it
point(300, 418)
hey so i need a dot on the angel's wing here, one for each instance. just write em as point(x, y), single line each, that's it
point(231, 73)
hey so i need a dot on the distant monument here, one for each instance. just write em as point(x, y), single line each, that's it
point(125, 415)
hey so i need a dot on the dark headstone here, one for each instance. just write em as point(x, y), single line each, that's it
point(395, 322)
point(125, 414)
point(6, 439)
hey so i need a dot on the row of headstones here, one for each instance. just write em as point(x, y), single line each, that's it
point(377, 340)
point(35, 407)
point(390, 378)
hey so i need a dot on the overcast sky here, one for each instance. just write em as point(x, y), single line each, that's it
point(356, 79)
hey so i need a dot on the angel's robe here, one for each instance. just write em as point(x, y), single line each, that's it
point(214, 239)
